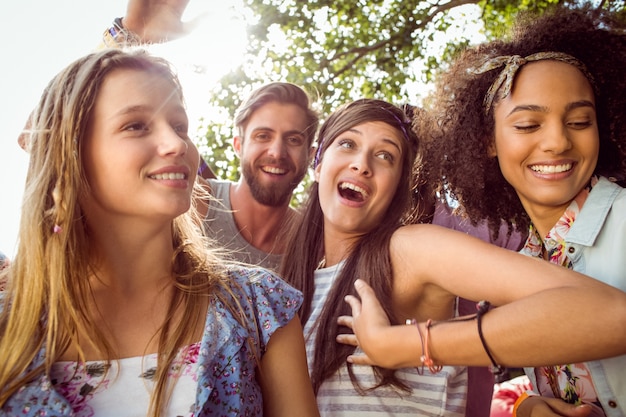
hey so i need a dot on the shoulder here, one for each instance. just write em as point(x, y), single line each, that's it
point(264, 299)
point(421, 236)
point(259, 283)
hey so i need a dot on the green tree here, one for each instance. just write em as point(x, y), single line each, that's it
point(340, 50)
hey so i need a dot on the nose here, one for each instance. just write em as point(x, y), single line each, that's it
point(556, 139)
point(276, 148)
point(171, 143)
point(360, 165)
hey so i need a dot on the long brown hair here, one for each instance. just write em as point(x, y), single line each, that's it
point(46, 303)
point(369, 258)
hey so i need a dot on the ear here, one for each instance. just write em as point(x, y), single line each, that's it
point(238, 145)
point(312, 151)
point(492, 151)
point(316, 173)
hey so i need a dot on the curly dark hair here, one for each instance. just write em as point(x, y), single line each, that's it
point(458, 141)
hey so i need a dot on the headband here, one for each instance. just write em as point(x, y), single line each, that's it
point(512, 64)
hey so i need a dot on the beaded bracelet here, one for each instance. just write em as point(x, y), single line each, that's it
point(117, 36)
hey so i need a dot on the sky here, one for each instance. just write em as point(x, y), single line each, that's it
point(41, 37)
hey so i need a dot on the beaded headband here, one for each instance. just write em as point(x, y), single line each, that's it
point(512, 64)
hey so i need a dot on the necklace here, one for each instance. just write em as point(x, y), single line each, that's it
point(322, 263)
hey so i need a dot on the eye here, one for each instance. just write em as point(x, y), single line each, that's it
point(526, 127)
point(579, 125)
point(295, 140)
point(135, 126)
point(262, 136)
point(345, 143)
point(387, 156)
point(181, 128)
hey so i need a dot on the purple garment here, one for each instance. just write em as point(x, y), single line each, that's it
point(480, 379)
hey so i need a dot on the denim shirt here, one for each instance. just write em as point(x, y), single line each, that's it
point(596, 246)
point(227, 384)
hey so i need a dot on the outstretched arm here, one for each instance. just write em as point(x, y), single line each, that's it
point(540, 306)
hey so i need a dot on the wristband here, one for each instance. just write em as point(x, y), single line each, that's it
point(520, 400)
point(117, 36)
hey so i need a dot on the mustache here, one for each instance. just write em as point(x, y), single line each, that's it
point(282, 163)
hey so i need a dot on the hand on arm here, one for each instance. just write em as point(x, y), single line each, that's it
point(284, 376)
point(372, 329)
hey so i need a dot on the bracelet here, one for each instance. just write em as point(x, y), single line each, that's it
point(521, 399)
point(425, 357)
point(420, 371)
point(483, 308)
point(117, 36)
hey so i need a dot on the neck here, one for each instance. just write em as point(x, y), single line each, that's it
point(337, 247)
point(544, 218)
point(260, 225)
point(130, 257)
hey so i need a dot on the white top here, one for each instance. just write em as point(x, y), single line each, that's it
point(124, 390)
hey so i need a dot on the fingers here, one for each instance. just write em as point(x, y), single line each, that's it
point(364, 290)
point(347, 321)
point(347, 339)
point(355, 305)
point(360, 359)
point(537, 406)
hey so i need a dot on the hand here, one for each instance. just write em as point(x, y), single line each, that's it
point(536, 406)
point(156, 21)
point(367, 322)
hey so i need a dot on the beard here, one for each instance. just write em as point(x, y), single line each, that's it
point(275, 194)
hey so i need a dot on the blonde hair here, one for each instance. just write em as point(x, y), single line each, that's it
point(46, 303)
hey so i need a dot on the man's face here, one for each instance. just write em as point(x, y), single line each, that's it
point(274, 152)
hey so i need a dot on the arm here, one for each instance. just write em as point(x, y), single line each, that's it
point(526, 330)
point(157, 20)
point(284, 376)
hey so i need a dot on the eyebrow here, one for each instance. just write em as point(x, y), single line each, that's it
point(133, 109)
point(390, 141)
point(269, 129)
point(544, 109)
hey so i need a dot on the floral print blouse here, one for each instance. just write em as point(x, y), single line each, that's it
point(222, 367)
point(572, 383)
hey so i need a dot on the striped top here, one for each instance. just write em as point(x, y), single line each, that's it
point(441, 394)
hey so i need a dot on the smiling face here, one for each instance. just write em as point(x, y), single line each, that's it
point(546, 137)
point(358, 177)
point(274, 152)
point(138, 159)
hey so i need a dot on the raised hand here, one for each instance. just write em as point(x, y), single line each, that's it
point(155, 21)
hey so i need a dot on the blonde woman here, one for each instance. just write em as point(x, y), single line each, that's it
point(114, 306)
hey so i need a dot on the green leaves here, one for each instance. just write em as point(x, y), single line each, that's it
point(341, 50)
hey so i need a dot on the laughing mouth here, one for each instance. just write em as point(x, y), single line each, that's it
point(169, 176)
point(274, 170)
point(352, 192)
point(551, 169)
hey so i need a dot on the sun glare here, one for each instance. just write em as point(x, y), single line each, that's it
point(216, 45)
